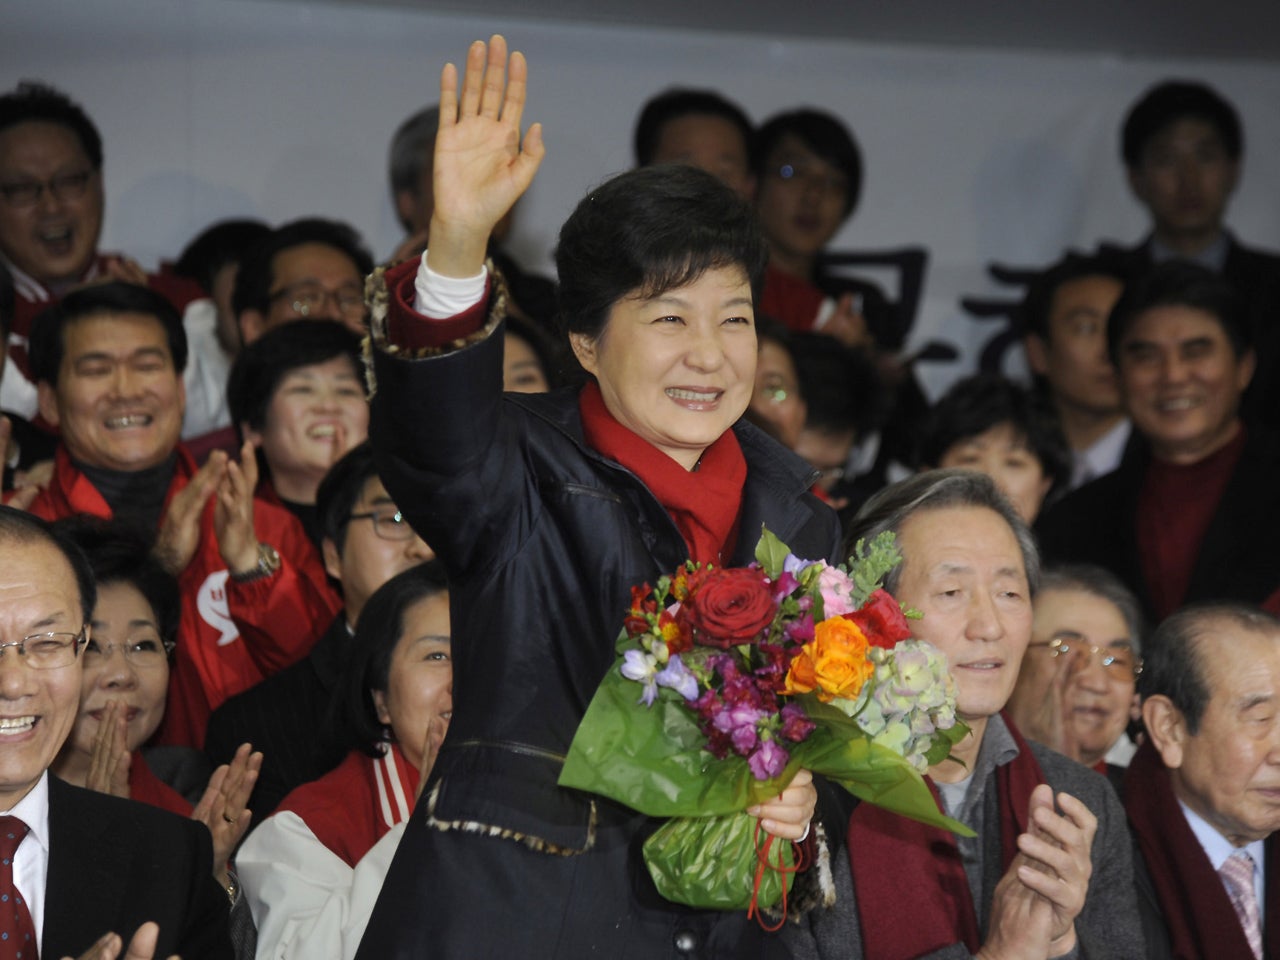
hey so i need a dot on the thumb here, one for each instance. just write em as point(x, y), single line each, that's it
point(143, 944)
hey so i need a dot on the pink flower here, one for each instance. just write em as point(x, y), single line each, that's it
point(769, 760)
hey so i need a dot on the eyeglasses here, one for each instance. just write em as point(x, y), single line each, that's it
point(1118, 661)
point(308, 298)
point(146, 653)
point(27, 193)
point(387, 524)
point(810, 176)
point(47, 651)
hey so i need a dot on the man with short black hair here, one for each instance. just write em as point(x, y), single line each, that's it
point(1203, 791)
point(700, 128)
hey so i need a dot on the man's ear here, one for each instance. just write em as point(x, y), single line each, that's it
point(584, 348)
point(1166, 727)
point(47, 401)
point(332, 558)
point(1037, 353)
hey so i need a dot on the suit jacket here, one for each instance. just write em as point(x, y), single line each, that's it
point(115, 864)
point(1097, 523)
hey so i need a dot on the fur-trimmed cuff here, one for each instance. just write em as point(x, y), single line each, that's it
point(814, 888)
point(537, 844)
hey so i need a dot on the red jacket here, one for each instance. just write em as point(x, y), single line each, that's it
point(231, 635)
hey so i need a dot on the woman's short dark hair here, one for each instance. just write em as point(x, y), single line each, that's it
point(48, 331)
point(1167, 103)
point(259, 368)
point(381, 624)
point(840, 385)
point(649, 231)
point(976, 404)
point(822, 133)
point(1179, 283)
point(340, 490)
point(120, 552)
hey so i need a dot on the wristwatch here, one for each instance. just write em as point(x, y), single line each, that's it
point(268, 563)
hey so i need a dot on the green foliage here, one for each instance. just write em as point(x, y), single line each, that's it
point(868, 566)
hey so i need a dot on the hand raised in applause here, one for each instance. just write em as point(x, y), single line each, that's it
point(222, 807)
point(180, 526)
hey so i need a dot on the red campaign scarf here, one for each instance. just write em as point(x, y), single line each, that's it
point(704, 503)
point(892, 857)
point(1201, 922)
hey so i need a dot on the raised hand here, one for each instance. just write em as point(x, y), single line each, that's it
point(110, 760)
point(1058, 846)
point(482, 165)
point(233, 512)
point(142, 946)
point(180, 526)
point(787, 815)
point(847, 324)
point(222, 807)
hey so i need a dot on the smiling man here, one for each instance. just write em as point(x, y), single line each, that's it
point(1203, 793)
point(84, 862)
point(1193, 512)
point(108, 360)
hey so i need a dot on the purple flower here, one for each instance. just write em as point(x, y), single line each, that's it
point(800, 630)
point(769, 760)
point(677, 676)
point(642, 667)
point(795, 725)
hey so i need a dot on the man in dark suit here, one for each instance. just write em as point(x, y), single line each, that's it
point(81, 862)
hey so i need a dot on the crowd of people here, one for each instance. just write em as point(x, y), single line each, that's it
point(266, 505)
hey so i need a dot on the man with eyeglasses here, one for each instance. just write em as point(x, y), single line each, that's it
point(365, 543)
point(51, 203)
point(311, 269)
point(1203, 791)
point(1076, 689)
point(76, 863)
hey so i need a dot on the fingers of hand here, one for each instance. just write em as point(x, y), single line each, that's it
point(495, 77)
point(143, 944)
point(472, 80)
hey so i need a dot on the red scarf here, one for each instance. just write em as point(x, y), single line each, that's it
point(893, 857)
point(1201, 922)
point(704, 503)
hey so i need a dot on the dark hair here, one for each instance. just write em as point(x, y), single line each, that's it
point(1037, 306)
point(1174, 664)
point(259, 367)
point(257, 267)
point(340, 489)
point(682, 102)
point(48, 330)
point(649, 231)
point(976, 404)
point(119, 552)
point(939, 490)
point(8, 302)
point(840, 385)
point(379, 629)
point(1167, 103)
point(410, 152)
point(822, 133)
point(37, 102)
point(217, 246)
point(1181, 284)
point(18, 526)
point(1105, 585)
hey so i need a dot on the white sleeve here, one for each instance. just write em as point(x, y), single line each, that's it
point(440, 297)
point(365, 887)
point(297, 889)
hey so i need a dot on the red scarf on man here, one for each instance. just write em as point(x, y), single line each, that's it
point(704, 503)
point(893, 857)
point(1198, 914)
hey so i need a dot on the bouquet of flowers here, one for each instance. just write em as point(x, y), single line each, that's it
point(729, 680)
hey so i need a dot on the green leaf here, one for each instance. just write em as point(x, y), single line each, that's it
point(710, 862)
point(771, 553)
point(868, 566)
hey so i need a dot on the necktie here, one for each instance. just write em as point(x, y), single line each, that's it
point(1237, 876)
point(17, 932)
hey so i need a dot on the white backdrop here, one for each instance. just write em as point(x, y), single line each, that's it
point(215, 108)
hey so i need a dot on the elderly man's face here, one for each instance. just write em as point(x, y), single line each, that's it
point(1229, 771)
point(964, 571)
point(54, 235)
point(119, 399)
point(38, 594)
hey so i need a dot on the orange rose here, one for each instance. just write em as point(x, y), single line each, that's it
point(834, 662)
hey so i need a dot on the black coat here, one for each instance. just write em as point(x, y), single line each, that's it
point(543, 539)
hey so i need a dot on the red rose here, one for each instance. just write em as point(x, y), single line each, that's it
point(881, 620)
point(730, 607)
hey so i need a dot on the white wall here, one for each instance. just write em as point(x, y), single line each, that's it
point(213, 108)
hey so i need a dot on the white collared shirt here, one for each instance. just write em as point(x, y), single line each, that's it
point(1100, 457)
point(31, 862)
point(1217, 848)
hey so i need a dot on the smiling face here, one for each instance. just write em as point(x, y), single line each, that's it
point(54, 239)
point(119, 399)
point(420, 682)
point(678, 370)
point(38, 594)
point(1003, 455)
point(1074, 358)
point(1182, 381)
point(1229, 771)
point(964, 571)
point(1185, 179)
point(316, 415)
point(122, 617)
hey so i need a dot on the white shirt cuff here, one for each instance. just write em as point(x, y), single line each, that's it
point(440, 297)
